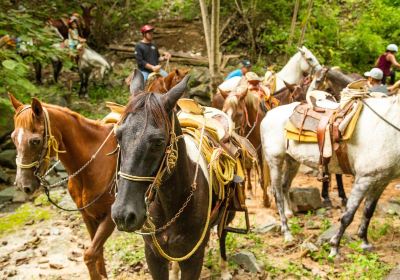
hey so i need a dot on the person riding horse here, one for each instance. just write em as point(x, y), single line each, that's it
point(147, 54)
point(375, 76)
point(246, 67)
point(386, 61)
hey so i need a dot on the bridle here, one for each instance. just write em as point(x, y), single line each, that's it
point(41, 165)
point(49, 143)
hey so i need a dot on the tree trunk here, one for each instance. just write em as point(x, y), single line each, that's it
point(293, 25)
point(252, 38)
point(206, 26)
point(305, 22)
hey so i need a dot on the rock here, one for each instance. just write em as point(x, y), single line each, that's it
point(62, 174)
point(55, 231)
point(4, 177)
point(248, 261)
point(327, 235)
point(305, 199)
point(55, 265)
point(394, 274)
point(4, 242)
point(43, 260)
point(30, 222)
point(20, 196)
point(60, 167)
point(7, 158)
point(22, 258)
point(43, 252)
point(392, 207)
point(309, 246)
point(7, 194)
point(199, 76)
point(270, 224)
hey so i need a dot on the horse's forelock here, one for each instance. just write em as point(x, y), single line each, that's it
point(24, 119)
point(231, 102)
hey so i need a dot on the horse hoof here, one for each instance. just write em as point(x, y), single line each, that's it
point(289, 214)
point(327, 204)
point(334, 252)
point(366, 247)
point(288, 237)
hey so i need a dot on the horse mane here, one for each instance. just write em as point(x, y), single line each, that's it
point(252, 100)
point(151, 103)
point(339, 77)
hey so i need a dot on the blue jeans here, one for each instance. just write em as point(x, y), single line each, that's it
point(146, 74)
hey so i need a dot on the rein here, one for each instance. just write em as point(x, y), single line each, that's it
point(45, 156)
point(167, 166)
point(381, 117)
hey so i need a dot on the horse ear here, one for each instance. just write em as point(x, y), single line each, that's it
point(16, 103)
point(301, 50)
point(289, 86)
point(177, 71)
point(37, 107)
point(137, 82)
point(172, 96)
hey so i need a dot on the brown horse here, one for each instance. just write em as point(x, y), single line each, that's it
point(247, 111)
point(43, 131)
point(163, 84)
point(84, 23)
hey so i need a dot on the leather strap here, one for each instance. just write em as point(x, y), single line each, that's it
point(343, 158)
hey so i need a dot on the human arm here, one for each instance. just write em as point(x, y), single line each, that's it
point(142, 62)
point(166, 56)
point(392, 59)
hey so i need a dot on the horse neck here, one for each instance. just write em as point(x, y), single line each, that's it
point(174, 191)
point(168, 81)
point(78, 137)
point(291, 73)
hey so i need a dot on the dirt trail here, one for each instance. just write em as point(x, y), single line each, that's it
point(53, 249)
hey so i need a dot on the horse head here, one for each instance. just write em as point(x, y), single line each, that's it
point(29, 139)
point(308, 63)
point(143, 136)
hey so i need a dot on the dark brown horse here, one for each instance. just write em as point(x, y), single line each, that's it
point(163, 84)
point(175, 207)
point(43, 131)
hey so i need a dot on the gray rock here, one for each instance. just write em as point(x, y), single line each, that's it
point(20, 196)
point(248, 261)
point(62, 174)
point(327, 235)
point(305, 199)
point(7, 158)
point(394, 274)
point(270, 224)
point(4, 177)
point(392, 207)
point(7, 194)
point(309, 246)
point(200, 75)
point(60, 167)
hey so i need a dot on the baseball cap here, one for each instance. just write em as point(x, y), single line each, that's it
point(246, 63)
point(374, 73)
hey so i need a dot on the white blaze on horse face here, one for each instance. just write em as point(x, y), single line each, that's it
point(193, 153)
point(20, 136)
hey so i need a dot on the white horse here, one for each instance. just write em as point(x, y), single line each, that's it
point(374, 160)
point(89, 61)
point(292, 73)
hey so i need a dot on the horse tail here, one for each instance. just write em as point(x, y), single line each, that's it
point(266, 174)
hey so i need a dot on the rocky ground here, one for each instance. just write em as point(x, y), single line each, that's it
point(39, 242)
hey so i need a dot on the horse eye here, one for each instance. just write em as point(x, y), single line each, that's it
point(34, 142)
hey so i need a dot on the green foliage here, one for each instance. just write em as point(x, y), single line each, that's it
point(23, 214)
point(295, 227)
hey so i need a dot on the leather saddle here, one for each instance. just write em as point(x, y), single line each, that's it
point(329, 127)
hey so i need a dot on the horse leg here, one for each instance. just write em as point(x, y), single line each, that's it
point(94, 254)
point(369, 208)
point(275, 165)
point(81, 87)
point(342, 193)
point(225, 274)
point(266, 199)
point(91, 226)
point(191, 268)
point(358, 192)
point(38, 71)
point(57, 65)
point(291, 168)
point(249, 186)
point(325, 192)
point(158, 266)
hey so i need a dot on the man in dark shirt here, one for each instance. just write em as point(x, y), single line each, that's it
point(147, 55)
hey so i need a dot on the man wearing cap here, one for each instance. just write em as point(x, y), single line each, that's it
point(246, 66)
point(375, 76)
point(386, 61)
point(147, 54)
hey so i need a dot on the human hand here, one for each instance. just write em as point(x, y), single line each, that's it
point(167, 55)
point(156, 68)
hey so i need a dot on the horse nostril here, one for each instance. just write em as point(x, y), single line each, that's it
point(27, 190)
